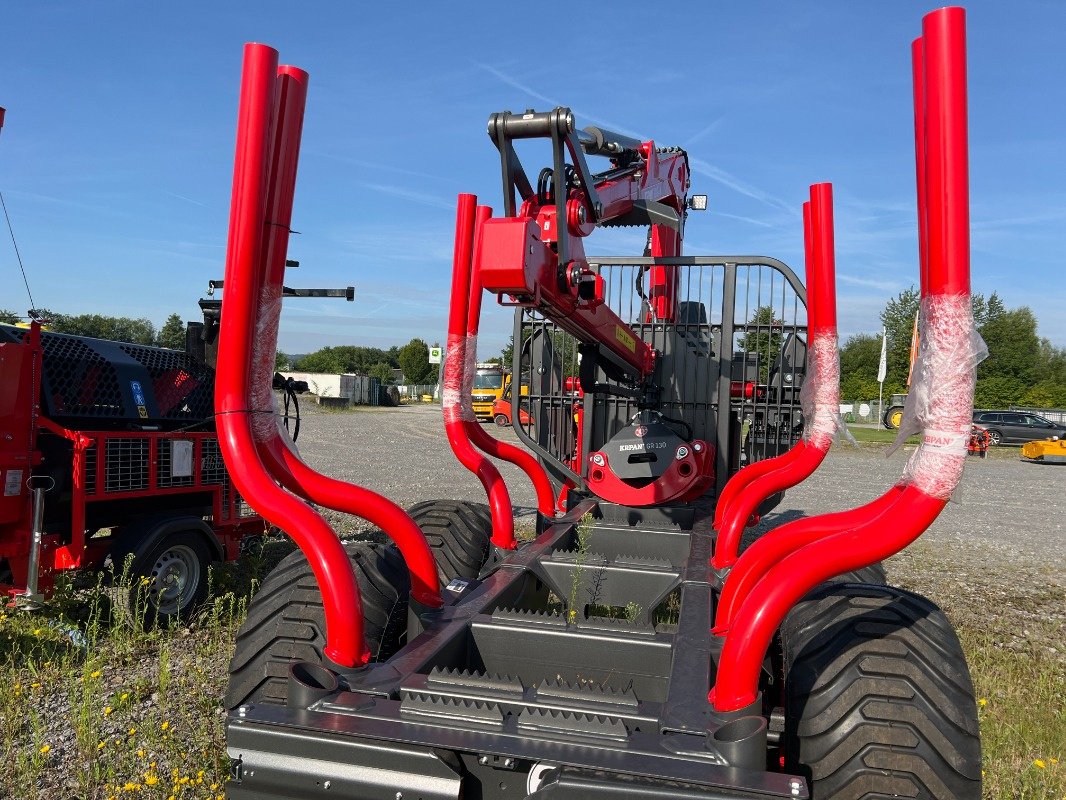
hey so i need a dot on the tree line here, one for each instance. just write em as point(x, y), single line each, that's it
point(1021, 368)
point(138, 330)
point(412, 358)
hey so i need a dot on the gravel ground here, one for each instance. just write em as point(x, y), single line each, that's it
point(1001, 544)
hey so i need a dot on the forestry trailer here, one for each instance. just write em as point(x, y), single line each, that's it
point(633, 648)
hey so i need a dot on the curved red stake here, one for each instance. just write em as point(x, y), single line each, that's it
point(768, 550)
point(490, 444)
point(345, 644)
point(805, 457)
point(273, 444)
point(456, 392)
point(936, 466)
point(784, 585)
point(745, 476)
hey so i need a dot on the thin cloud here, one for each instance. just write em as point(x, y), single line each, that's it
point(739, 186)
point(522, 87)
point(187, 199)
point(869, 283)
point(410, 194)
point(355, 162)
point(704, 131)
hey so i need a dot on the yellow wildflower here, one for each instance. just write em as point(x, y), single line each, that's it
point(133, 731)
point(982, 702)
point(125, 696)
point(151, 779)
point(164, 726)
point(1039, 762)
point(140, 753)
point(108, 710)
point(101, 745)
point(131, 786)
point(1053, 760)
point(36, 631)
point(35, 686)
point(145, 581)
point(45, 749)
point(95, 674)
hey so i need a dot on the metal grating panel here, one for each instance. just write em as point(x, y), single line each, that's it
point(729, 368)
point(212, 466)
point(126, 465)
point(90, 470)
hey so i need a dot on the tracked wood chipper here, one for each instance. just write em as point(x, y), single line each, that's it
point(635, 647)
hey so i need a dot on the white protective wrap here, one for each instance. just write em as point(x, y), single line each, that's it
point(820, 393)
point(457, 383)
point(940, 402)
point(264, 417)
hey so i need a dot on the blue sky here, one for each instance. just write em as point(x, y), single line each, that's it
point(116, 158)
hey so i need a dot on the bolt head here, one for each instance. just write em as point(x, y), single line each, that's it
point(697, 447)
point(682, 452)
point(598, 460)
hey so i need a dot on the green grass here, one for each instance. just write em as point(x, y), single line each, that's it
point(141, 709)
point(877, 435)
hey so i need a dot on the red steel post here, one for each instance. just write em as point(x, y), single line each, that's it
point(345, 644)
point(936, 467)
point(279, 456)
point(805, 457)
point(458, 372)
point(745, 476)
point(489, 444)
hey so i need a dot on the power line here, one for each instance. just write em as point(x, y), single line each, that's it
point(18, 255)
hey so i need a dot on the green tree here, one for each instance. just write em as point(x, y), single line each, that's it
point(324, 360)
point(898, 319)
point(8, 317)
point(381, 371)
point(101, 326)
point(859, 359)
point(282, 361)
point(414, 361)
point(763, 337)
point(172, 334)
point(1013, 365)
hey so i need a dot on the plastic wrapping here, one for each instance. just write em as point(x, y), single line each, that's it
point(820, 393)
point(940, 402)
point(264, 417)
point(457, 384)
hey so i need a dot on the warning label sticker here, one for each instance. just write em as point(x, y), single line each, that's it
point(13, 483)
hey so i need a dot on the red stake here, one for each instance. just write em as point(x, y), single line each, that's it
point(274, 446)
point(458, 372)
point(345, 644)
point(800, 462)
point(489, 444)
point(936, 467)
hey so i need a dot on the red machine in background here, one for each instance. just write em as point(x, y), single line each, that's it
point(108, 450)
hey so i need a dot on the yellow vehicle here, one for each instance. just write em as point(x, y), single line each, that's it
point(1049, 451)
point(489, 382)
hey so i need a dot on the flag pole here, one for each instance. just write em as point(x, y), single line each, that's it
point(882, 371)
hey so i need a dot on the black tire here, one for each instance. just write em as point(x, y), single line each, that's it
point(995, 438)
point(878, 697)
point(167, 582)
point(501, 420)
point(892, 417)
point(875, 574)
point(286, 620)
point(459, 534)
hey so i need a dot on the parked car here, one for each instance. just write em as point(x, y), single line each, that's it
point(1015, 427)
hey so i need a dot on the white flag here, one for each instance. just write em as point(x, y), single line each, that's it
point(882, 369)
